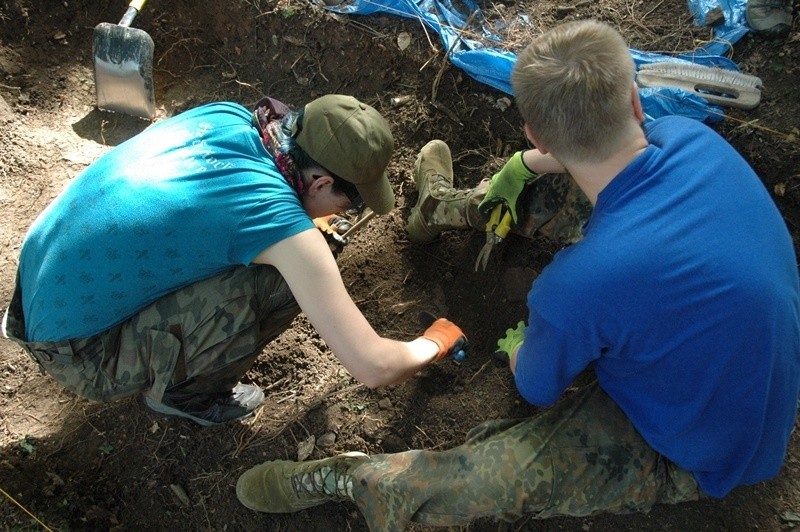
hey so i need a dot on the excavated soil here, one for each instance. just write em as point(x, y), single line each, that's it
point(69, 464)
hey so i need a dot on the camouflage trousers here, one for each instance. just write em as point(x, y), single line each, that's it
point(580, 457)
point(551, 205)
point(200, 339)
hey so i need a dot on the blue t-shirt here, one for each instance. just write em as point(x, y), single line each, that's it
point(186, 199)
point(683, 295)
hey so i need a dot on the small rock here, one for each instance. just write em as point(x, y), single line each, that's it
point(392, 443)
point(397, 101)
point(326, 440)
point(403, 40)
point(385, 404)
point(180, 493)
point(714, 17)
point(503, 103)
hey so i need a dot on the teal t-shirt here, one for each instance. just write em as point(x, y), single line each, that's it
point(188, 198)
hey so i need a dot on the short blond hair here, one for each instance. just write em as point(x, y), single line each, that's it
point(573, 86)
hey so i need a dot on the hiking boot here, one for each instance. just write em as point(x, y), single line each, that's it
point(282, 486)
point(212, 408)
point(769, 18)
point(439, 206)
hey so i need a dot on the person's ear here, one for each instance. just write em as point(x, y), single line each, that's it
point(318, 184)
point(531, 136)
point(636, 101)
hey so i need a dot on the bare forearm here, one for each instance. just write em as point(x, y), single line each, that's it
point(390, 362)
point(540, 163)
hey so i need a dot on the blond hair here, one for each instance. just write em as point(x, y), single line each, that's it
point(573, 89)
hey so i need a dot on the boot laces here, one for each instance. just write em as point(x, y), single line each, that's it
point(325, 481)
point(442, 189)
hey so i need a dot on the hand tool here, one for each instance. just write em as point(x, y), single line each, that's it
point(459, 351)
point(366, 216)
point(497, 229)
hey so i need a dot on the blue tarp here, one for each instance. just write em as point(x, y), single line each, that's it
point(492, 66)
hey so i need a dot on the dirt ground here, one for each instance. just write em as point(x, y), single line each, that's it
point(69, 464)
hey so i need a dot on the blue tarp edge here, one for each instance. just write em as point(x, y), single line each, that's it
point(493, 66)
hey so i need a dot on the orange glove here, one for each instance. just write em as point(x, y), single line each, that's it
point(449, 337)
point(333, 227)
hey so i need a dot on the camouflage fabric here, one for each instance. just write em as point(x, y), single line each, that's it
point(201, 338)
point(580, 457)
point(555, 206)
point(551, 205)
point(439, 206)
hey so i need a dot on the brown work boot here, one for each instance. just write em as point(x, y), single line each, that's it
point(283, 487)
point(439, 206)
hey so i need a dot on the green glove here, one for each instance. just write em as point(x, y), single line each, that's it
point(511, 341)
point(507, 185)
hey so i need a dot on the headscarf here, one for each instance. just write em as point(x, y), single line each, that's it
point(267, 118)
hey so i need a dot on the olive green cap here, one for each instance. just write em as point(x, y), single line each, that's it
point(352, 140)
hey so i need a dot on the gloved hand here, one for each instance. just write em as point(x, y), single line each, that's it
point(448, 336)
point(333, 227)
point(507, 345)
point(507, 185)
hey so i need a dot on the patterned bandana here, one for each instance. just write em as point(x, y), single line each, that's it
point(267, 118)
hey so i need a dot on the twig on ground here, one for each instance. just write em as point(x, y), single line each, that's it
point(12, 499)
point(479, 371)
point(435, 89)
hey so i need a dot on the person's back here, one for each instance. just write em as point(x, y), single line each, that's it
point(167, 265)
point(684, 295)
point(189, 198)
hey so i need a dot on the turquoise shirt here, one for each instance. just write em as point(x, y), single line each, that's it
point(187, 199)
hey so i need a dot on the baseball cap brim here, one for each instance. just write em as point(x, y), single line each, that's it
point(377, 195)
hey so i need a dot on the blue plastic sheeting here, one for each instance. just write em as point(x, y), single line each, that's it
point(733, 28)
point(492, 66)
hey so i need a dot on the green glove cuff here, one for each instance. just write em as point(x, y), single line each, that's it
point(507, 185)
point(512, 340)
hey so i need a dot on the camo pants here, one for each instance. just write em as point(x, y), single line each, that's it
point(201, 339)
point(552, 205)
point(581, 456)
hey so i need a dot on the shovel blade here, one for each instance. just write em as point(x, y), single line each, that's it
point(123, 70)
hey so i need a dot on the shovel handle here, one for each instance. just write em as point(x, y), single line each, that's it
point(133, 9)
